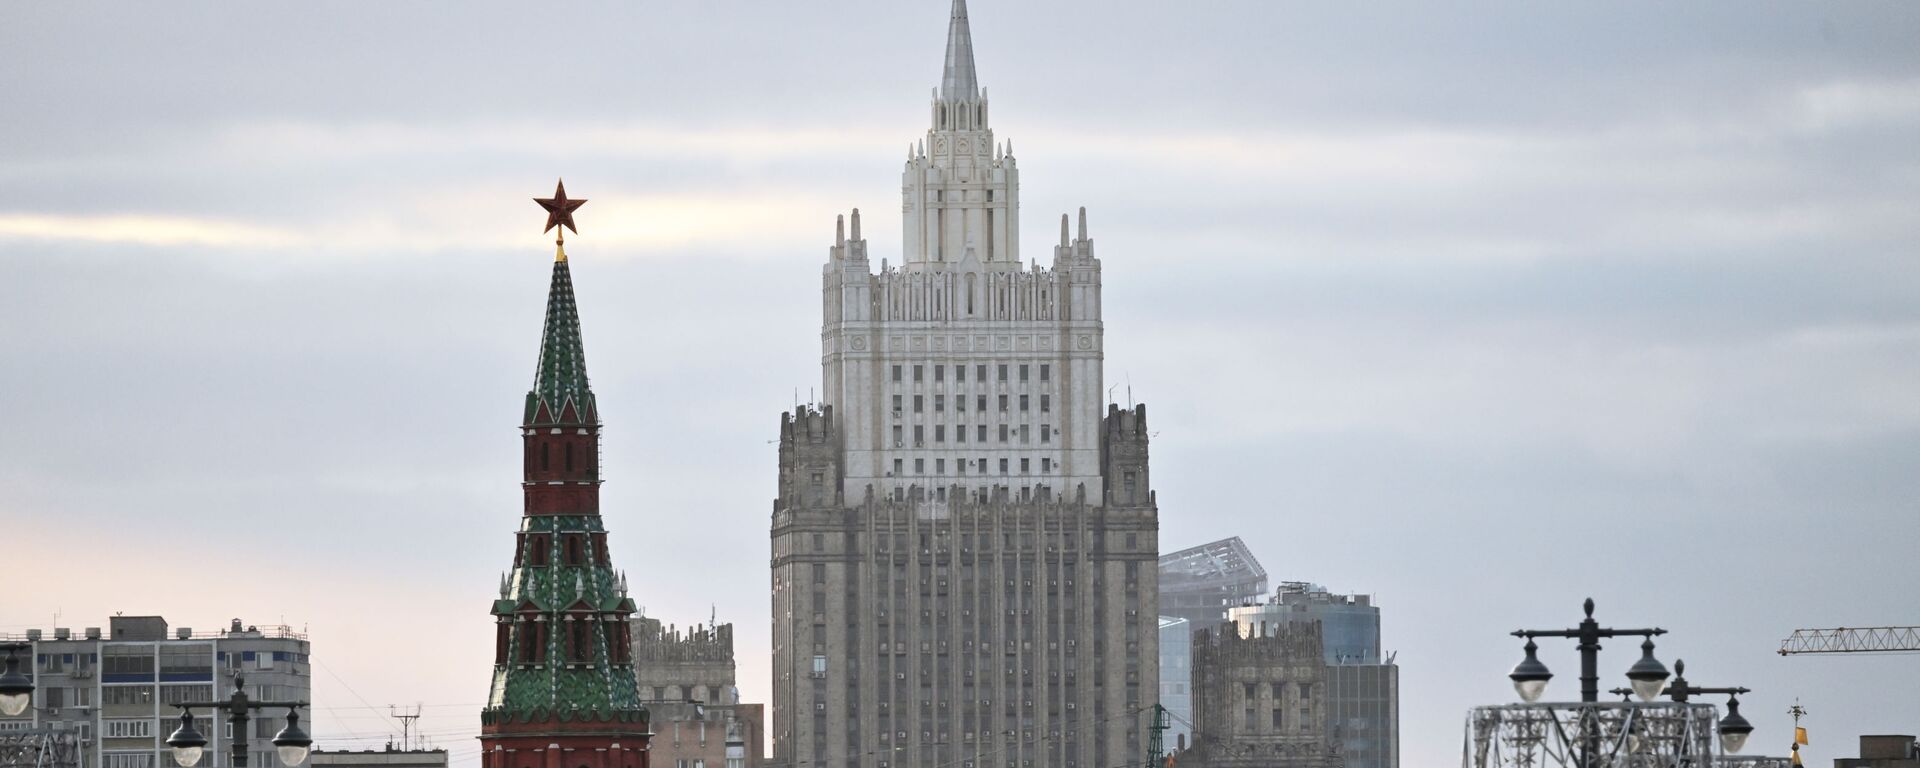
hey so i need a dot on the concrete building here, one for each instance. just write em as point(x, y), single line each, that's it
point(1176, 680)
point(1260, 699)
point(1898, 751)
point(1363, 687)
point(379, 758)
point(964, 538)
point(687, 681)
point(114, 690)
point(1200, 583)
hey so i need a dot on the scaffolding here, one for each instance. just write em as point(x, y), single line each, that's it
point(54, 746)
point(1591, 735)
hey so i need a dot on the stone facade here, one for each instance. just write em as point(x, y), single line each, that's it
point(1260, 699)
point(687, 680)
point(964, 541)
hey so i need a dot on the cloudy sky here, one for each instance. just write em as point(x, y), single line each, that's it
point(1480, 309)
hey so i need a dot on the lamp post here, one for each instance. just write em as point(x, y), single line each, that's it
point(189, 745)
point(1734, 728)
point(1647, 676)
point(16, 689)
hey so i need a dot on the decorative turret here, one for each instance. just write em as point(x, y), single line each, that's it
point(563, 677)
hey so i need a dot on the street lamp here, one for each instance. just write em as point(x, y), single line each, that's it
point(1648, 675)
point(189, 745)
point(16, 689)
point(1733, 728)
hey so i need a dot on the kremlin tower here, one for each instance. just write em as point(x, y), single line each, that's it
point(563, 693)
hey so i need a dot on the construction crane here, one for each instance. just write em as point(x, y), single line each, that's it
point(1852, 640)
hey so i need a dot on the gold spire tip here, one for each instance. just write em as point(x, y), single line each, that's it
point(559, 251)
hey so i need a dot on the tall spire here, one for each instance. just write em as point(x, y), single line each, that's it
point(959, 83)
point(560, 393)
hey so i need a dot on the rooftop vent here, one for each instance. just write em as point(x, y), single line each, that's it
point(93, 633)
point(62, 633)
point(33, 634)
point(183, 633)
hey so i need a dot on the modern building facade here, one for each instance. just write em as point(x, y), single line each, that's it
point(563, 693)
point(965, 534)
point(1894, 751)
point(1260, 699)
point(1200, 583)
point(115, 690)
point(1176, 680)
point(1362, 685)
point(687, 682)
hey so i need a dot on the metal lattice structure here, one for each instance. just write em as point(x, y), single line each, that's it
point(1755, 761)
point(39, 748)
point(1622, 735)
point(1852, 640)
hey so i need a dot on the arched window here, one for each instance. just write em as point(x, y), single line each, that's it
point(574, 555)
point(539, 549)
point(545, 457)
point(970, 289)
point(569, 457)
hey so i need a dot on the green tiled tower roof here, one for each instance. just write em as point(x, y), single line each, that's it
point(562, 643)
point(561, 379)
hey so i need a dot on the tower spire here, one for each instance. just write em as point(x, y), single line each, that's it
point(959, 83)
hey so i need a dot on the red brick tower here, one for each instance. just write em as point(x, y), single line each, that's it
point(563, 688)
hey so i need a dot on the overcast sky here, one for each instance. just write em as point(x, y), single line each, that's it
point(1480, 309)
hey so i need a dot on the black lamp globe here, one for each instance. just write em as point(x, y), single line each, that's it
point(292, 743)
point(187, 743)
point(1530, 676)
point(1649, 676)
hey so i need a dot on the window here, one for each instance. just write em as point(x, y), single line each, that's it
point(1003, 466)
point(1046, 403)
point(919, 434)
point(981, 401)
point(1046, 433)
point(1023, 403)
point(960, 403)
point(939, 433)
point(939, 403)
point(896, 373)
point(896, 402)
point(1046, 465)
point(982, 433)
point(128, 661)
point(126, 695)
point(940, 468)
point(1277, 722)
point(1023, 466)
point(980, 372)
point(819, 573)
point(960, 433)
point(899, 435)
point(896, 468)
point(1003, 433)
point(919, 403)
point(919, 373)
point(960, 373)
point(961, 465)
point(1003, 403)
point(819, 666)
point(176, 694)
point(128, 760)
point(1250, 719)
point(1023, 372)
point(126, 729)
point(1023, 433)
point(919, 466)
point(1003, 371)
point(939, 373)
point(1046, 372)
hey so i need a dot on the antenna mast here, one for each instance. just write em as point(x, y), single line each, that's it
point(406, 718)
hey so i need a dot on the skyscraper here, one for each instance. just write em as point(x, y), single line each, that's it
point(563, 693)
point(964, 543)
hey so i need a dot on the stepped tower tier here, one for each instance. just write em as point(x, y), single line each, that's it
point(563, 692)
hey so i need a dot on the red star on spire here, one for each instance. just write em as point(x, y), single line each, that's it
point(560, 209)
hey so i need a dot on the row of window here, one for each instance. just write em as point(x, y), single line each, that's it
point(979, 375)
point(1007, 432)
point(960, 466)
point(979, 403)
